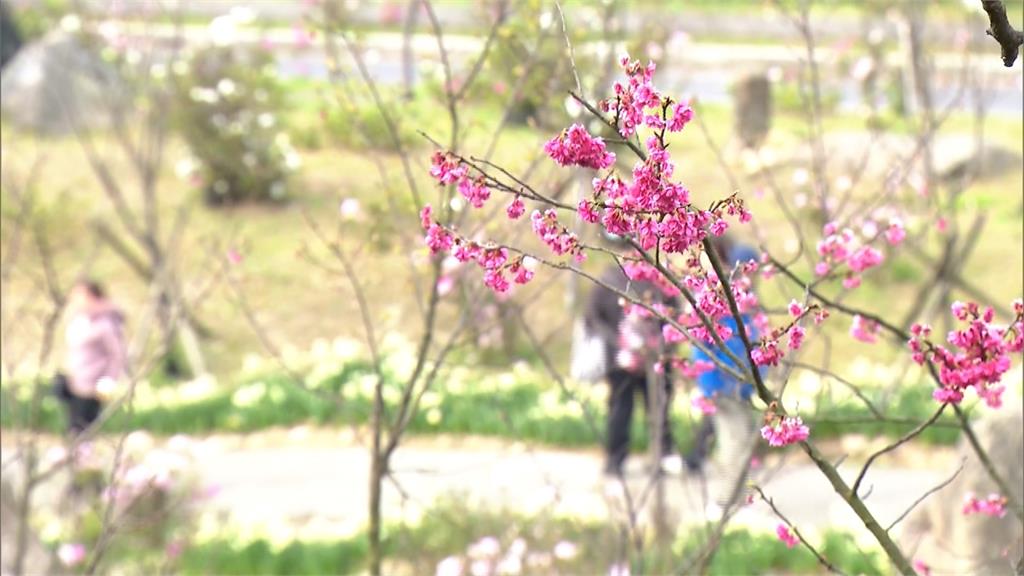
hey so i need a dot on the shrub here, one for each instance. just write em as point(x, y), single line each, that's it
point(226, 110)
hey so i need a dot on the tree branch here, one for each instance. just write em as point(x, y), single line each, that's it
point(1009, 39)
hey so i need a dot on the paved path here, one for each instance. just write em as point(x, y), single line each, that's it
point(296, 482)
point(318, 477)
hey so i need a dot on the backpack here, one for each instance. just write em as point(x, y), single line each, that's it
point(589, 357)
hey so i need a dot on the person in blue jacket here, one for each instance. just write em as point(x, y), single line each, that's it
point(717, 383)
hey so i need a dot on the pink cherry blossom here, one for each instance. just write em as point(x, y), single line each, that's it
point(426, 216)
point(768, 354)
point(979, 357)
point(445, 284)
point(71, 554)
point(681, 116)
point(438, 239)
point(576, 147)
point(820, 315)
point(795, 309)
point(628, 106)
point(864, 330)
point(895, 233)
point(446, 169)
point(864, 258)
point(782, 531)
point(516, 209)
point(788, 430)
point(921, 568)
point(796, 337)
point(705, 405)
point(474, 191)
point(994, 505)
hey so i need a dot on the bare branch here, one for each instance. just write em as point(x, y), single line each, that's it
point(1009, 39)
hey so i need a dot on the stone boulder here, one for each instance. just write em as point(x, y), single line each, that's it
point(753, 107)
point(57, 83)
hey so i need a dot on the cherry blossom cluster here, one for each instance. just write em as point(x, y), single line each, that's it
point(498, 267)
point(632, 102)
point(782, 531)
point(649, 208)
point(691, 369)
point(576, 147)
point(557, 237)
point(994, 505)
point(447, 169)
point(632, 99)
point(783, 430)
point(769, 352)
point(842, 247)
point(979, 355)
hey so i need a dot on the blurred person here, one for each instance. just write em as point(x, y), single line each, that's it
point(628, 362)
point(732, 427)
point(95, 353)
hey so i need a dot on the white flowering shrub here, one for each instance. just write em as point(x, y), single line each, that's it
point(227, 106)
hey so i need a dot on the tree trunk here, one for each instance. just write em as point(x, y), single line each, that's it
point(377, 466)
point(408, 57)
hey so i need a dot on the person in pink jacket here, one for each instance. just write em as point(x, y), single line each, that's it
point(95, 352)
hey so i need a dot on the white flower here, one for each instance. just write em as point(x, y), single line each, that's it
point(618, 570)
point(565, 550)
point(480, 568)
point(180, 67)
point(486, 547)
point(223, 30)
point(545, 20)
point(185, 167)
point(510, 566)
point(138, 442)
point(869, 228)
point(265, 120)
point(71, 23)
point(349, 209)
point(205, 95)
point(71, 554)
point(450, 566)
point(226, 86)
point(109, 30)
point(517, 548)
point(292, 160)
point(861, 68)
point(158, 71)
point(55, 455)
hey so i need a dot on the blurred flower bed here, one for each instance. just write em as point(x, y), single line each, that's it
point(453, 539)
point(522, 402)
